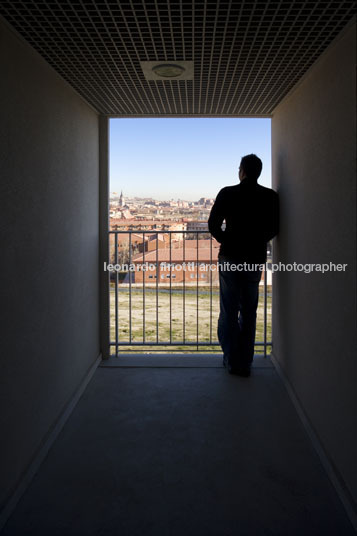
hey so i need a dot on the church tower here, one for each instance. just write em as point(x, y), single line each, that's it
point(121, 199)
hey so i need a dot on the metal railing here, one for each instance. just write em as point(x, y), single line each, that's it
point(164, 293)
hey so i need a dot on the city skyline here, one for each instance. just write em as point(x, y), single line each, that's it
point(117, 194)
point(132, 211)
point(184, 158)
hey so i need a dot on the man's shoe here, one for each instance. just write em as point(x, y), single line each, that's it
point(235, 369)
point(240, 371)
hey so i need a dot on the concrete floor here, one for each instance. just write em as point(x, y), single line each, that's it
point(182, 450)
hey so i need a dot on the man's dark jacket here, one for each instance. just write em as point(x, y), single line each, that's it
point(251, 212)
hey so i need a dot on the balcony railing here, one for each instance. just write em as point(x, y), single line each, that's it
point(164, 293)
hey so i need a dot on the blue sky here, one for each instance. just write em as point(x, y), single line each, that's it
point(184, 158)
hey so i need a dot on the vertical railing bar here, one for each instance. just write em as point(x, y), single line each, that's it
point(184, 289)
point(210, 290)
point(197, 289)
point(271, 300)
point(170, 291)
point(265, 309)
point(157, 287)
point(144, 277)
point(130, 318)
point(116, 297)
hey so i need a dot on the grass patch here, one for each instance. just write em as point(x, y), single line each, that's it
point(174, 318)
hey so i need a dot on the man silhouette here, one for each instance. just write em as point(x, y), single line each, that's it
point(251, 214)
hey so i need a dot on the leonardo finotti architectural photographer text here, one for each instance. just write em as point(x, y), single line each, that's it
point(306, 268)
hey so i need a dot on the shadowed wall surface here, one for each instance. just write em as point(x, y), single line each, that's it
point(49, 234)
point(314, 170)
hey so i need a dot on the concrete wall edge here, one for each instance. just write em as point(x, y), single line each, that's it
point(104, 227)
point(330, 469)
point(46, 445)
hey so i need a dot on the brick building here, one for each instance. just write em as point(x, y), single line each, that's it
point(187, 263)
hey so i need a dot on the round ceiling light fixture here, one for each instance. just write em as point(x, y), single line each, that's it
point(168, 70)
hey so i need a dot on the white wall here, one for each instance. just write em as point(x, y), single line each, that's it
point(49, 251)
point(314, 170)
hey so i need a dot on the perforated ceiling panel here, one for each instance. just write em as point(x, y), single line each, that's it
point(247, 55)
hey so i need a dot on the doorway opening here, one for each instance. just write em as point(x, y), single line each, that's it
point(164, 176)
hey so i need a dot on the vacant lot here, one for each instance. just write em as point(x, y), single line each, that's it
point(175, 317)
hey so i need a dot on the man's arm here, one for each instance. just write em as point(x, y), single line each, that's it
point(216, 217)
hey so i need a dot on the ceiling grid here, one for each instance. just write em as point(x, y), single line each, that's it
point(247, 54)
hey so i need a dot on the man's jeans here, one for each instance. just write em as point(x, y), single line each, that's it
point(239, 293)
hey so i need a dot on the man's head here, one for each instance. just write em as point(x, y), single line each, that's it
point(250, 167)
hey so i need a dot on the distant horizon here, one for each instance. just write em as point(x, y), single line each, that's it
point(184, 158)
point(157, 199)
